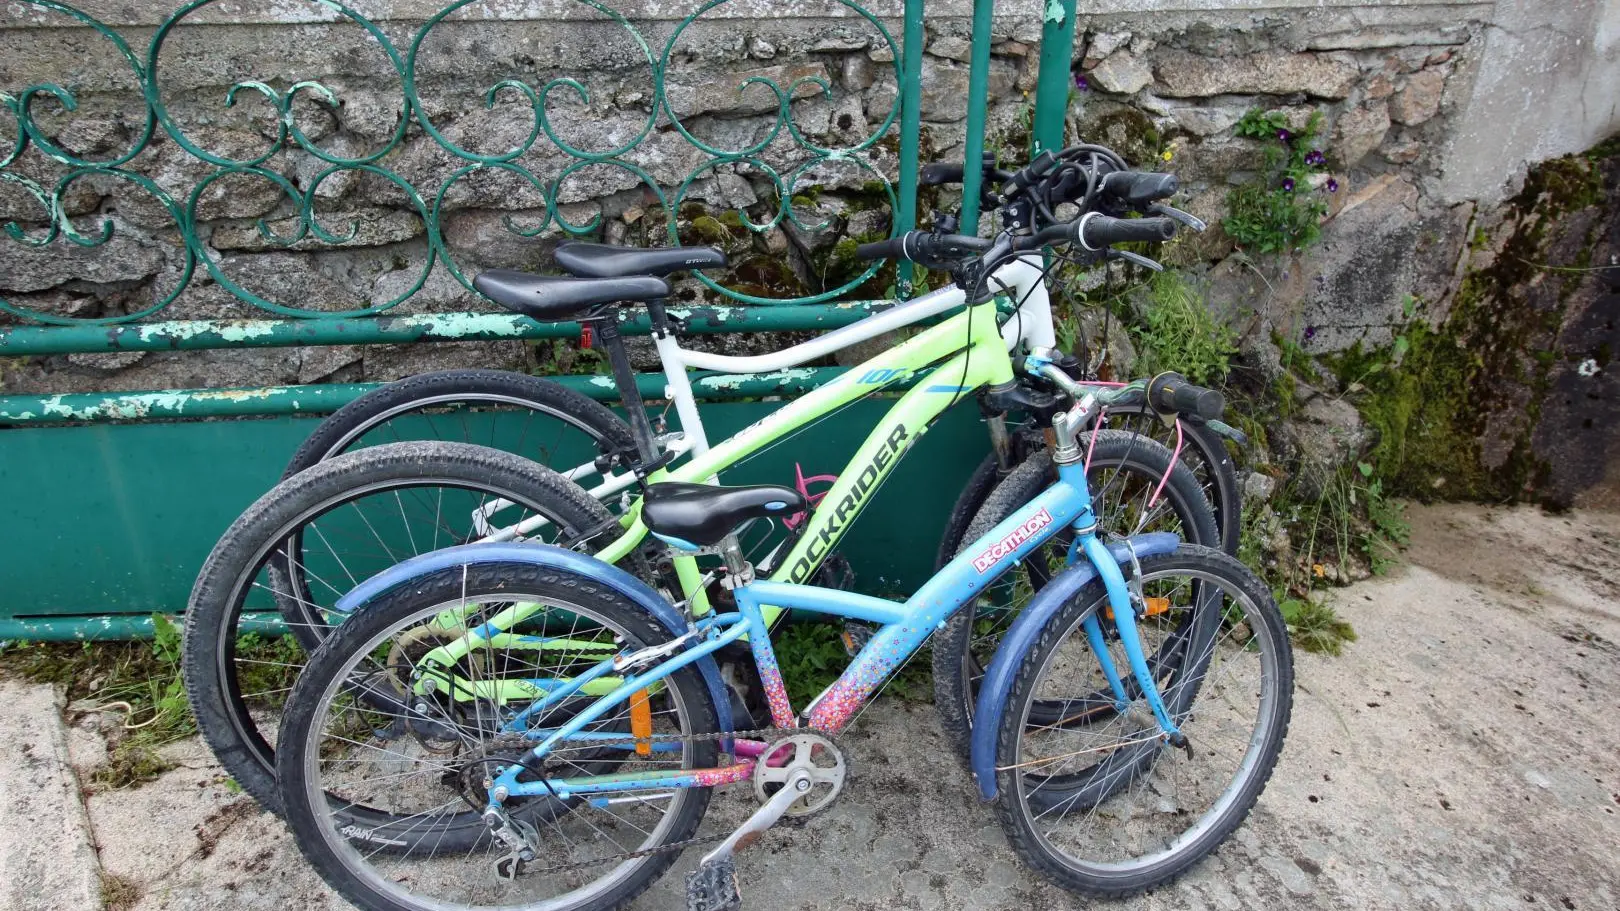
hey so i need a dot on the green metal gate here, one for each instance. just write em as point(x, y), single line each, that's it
point(108, 504)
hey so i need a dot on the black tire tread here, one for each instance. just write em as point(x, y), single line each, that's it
point(541, 393)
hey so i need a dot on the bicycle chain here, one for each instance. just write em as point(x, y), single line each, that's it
point(773, 733)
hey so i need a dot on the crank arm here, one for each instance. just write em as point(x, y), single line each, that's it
point(763, 818)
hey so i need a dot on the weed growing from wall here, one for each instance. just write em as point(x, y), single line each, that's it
point(1280, 211)
point(1178, 332)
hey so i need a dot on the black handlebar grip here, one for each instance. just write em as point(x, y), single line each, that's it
point(1171, 393)
point(1140, 188)
point(893, 248)
point(1095, 232)
point(940, 172)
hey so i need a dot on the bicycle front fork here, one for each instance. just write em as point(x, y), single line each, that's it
point(1125, 608)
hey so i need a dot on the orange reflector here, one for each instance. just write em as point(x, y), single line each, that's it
point(1155, 607)
point(641, 721)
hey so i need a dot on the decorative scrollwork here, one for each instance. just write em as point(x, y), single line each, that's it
point(294, 141)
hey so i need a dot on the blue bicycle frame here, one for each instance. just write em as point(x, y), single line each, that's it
point(904, 629)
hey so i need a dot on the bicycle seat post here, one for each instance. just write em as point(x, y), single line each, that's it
point(625, 379)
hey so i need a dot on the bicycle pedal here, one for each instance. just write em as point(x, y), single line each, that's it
point(713, 887)
point(856, 636)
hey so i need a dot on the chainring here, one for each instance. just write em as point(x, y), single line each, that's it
point(811, 752)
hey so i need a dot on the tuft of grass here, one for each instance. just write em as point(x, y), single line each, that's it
point(140, 679)
point(118, 892)
point(1316, 627)
point(1178, 332)
point(1389, 531)
point(267, 667)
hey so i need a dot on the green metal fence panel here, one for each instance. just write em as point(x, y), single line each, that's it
point(117, 518)
point(186, 335)
point(327, 397)
point(115, 525)
point(427, 202)
point(1053, 80)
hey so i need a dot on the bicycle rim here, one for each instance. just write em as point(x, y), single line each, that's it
point(1146, 807)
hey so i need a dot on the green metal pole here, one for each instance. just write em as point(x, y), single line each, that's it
point(1052, 84)
point(324, 399)
point(978, 101)
point(911, 52)
point(183, 335)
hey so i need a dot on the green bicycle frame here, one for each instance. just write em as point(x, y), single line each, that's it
point(956, 357)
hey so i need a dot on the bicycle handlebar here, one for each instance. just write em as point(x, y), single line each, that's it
point(926, 248)
point(1172, 393)
point(1094, 231)
point(1138, 189)
point(1167, 393)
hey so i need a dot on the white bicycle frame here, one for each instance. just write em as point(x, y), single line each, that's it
point(1022, 280)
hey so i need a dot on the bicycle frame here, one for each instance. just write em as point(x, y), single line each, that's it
point(1030, 325)
point(904, 628)
point(952, 359)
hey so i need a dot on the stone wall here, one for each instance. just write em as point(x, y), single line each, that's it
point(1430, 115)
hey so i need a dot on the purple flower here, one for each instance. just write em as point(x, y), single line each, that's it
point(1310, 333)
point(1289, 184)
point(1315, 158)
point(1081, 82)
point(1285, 136)
point(1332, 185)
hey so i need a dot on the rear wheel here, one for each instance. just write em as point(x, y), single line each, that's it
point(530, 416)
point(420, 771)
point(536, 418)
point(339, 523)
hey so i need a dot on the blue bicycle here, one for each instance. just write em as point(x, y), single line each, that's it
point(1126, 725)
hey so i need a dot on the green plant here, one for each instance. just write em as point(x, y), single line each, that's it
point(563, 357)
point(139, 679)
point(267, 667)
point(1389, 530)
point(1178, 332)
point(1315, 626)
point(1279, 211)
point(810, 656)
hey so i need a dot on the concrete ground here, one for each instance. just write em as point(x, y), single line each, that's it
point(1464, 753)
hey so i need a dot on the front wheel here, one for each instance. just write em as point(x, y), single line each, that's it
point(1125, 472)
point(1099, 801)
point(1202, 451)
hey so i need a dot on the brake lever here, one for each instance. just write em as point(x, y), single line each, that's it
point(1186, 218)
point(1137, 258)
point(1227, 430)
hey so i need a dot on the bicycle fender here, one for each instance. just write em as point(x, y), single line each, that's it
point(996, 686)
point(549, 557)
